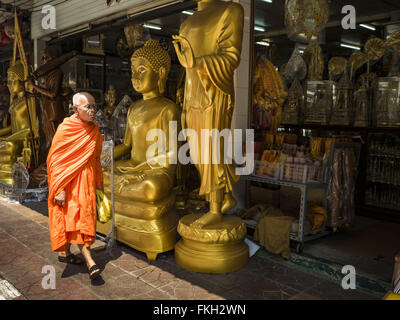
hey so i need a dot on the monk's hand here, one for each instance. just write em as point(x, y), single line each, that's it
point(184, 51)
point(60, 199)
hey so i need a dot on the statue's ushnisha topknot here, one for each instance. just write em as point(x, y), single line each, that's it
point(155, 55)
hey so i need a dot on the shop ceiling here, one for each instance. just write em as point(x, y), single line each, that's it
point(382, 15)
point(7, 8)
point(270, 16)
point(169, 17)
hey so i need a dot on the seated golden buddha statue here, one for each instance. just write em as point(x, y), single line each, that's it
point(144, 202)
point(16, 139)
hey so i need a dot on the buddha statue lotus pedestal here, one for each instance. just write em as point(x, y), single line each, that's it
point(215, 248)
point(208, 47)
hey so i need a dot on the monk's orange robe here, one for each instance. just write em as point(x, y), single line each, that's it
point(73, 165)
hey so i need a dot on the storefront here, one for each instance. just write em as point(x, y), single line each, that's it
point(321, 96)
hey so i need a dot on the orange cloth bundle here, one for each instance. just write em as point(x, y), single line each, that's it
point(73, 165)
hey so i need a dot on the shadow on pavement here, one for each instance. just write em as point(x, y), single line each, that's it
point(100, 256)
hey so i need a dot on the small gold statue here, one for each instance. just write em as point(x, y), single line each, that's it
point(23, 120)
point(110, 99)
point(144, 199)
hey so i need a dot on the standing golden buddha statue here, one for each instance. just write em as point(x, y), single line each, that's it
point(209, 46)
point(145, 214)
point(16, 139)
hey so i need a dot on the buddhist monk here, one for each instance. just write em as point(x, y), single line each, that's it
point(74, 174)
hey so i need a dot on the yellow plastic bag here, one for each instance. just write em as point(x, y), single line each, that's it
point(320, 215)
point(104, 211)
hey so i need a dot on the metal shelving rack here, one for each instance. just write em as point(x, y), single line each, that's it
point(300, 237)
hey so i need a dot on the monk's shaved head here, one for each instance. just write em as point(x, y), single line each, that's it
point(82, 98)
point(84, 106)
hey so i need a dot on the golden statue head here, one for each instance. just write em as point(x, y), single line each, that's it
point(150, 67)
point(15, 78)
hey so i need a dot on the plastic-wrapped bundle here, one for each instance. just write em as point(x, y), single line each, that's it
point(349, 160)
point(342, 187)
point(20, 176)
point(296, 67)
point(335, 195)
point(106, 154)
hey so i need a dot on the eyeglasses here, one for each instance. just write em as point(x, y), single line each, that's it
point(90, 106)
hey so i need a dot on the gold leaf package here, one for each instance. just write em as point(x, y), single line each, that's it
point(296, 67)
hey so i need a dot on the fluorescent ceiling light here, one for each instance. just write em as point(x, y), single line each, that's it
point(301, 50)
point(93, 64)
point(367, 26)
point(150, 26)
point(269, 1)
point(349, 46)
point(71, 31)
point(259, 28)
point(188, 13)
point(263, 43)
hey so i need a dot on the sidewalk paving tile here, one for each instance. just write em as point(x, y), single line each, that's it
point(127, 274)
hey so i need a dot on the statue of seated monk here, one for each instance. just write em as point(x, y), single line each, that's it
point(16, 140)
point(144, 200)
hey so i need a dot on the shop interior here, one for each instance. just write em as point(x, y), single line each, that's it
point(344, 57)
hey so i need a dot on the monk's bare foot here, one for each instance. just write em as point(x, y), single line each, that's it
point(228, 203)
point(206, 219)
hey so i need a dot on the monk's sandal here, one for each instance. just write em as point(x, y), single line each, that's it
point(94, 274)
point(71, 259)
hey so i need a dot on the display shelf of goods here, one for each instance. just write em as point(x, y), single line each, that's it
point(383, 171)
point(387, 102)
point(302, 173)
point(267, 169)
point(84, 72)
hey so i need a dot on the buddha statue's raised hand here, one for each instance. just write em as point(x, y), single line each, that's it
point(184, 51)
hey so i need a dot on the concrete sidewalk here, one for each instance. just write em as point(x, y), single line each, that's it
point(25, 250)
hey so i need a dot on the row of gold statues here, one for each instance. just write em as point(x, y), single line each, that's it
point(209, 48)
